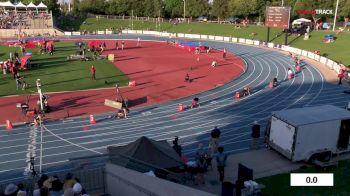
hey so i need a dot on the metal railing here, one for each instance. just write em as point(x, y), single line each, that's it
point(136, 18)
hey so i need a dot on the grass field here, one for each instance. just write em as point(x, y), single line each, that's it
point(280, 184)
point(337, 51)
point(58, 74)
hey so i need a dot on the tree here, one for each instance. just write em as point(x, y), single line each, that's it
point(344, 10)
point(220, 9)
point(173, 8)
point(244, 8)
point(197, 8)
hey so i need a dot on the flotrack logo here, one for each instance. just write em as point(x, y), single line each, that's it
point(316, 11)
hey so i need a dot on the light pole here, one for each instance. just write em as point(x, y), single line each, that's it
point(335, 15)
point(38, 86)
point(184, 10)
point(282, 2)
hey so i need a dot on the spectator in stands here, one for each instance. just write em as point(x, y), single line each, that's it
point(221, 163)
point(44, 191)
point(11, 190)
point(77, 188)
point(69, 192)
point(56, 187)
point(69, 182)
point(21, 190)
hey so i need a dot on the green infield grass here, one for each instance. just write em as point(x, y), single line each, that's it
point(58, 74)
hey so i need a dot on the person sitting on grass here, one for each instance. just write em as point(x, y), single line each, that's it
point(195, 102)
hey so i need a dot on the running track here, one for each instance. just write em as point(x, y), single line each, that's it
point(77, 138)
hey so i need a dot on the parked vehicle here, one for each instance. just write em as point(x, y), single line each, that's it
point(202, 19)
point(234, 20)
point(310, 133)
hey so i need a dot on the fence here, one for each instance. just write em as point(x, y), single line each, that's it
point(136, 18)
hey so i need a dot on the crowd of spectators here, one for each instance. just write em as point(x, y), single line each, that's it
point(12, 19)
point(48, 186)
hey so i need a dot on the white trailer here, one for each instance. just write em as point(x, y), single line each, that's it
point(306, 133)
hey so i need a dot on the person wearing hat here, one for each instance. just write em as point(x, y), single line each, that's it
point(11, 190)
point(77, 188)
point(255, 135)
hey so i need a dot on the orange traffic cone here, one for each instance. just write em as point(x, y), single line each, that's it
point(9, 124)
point(92, 119)
point(237, 95)
point(270, 85)
point(297, 68)
point(180, 108)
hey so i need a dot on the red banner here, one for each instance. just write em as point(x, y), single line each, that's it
point(277, 17)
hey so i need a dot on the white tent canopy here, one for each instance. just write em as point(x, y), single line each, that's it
point(20, 5)
point(41, 6)
point(6, 4)
point(31, 5)
point(300, 21)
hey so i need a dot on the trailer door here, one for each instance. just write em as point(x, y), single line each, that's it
point(282, 136)
point(344, 134)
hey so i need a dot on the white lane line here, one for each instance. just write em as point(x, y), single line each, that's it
point(71, 142)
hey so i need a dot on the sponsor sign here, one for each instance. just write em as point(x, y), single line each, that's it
point(316, 12)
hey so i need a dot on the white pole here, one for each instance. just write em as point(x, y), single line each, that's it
point(184, 10)
point(335, 15)
point(38, 85)
point(282, 2)
point(69, 6)
point(132, 19)
point(41, 148)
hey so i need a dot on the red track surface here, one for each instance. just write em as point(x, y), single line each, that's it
point(158, 69)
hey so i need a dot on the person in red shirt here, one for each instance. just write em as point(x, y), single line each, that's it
point(93, 72)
